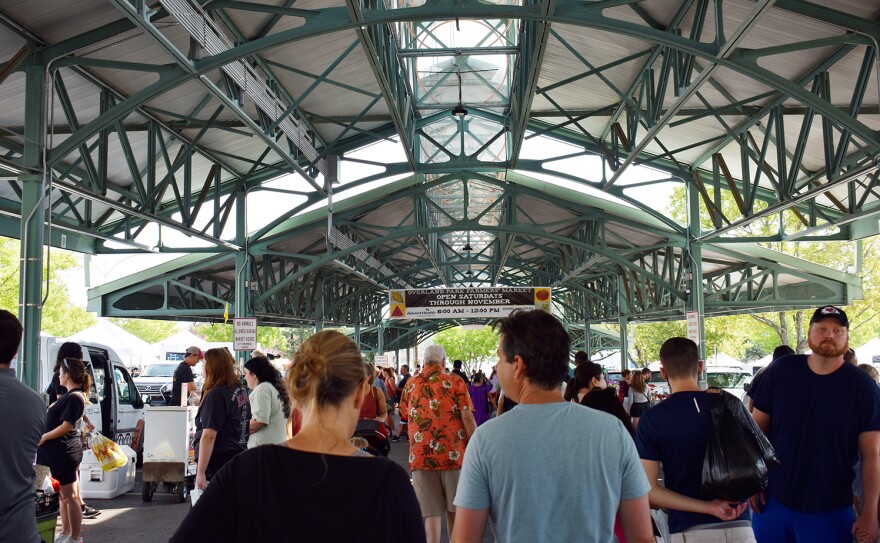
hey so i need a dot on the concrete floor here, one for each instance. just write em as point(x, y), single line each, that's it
point(127, 519)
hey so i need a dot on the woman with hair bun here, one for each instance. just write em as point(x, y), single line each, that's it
point(270, 404)
point(61, 447)
point(301, 490)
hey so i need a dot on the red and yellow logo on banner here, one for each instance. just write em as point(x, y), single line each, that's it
point(542, 298)
point(397, 301)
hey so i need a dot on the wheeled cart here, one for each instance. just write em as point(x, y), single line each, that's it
point(168, 450)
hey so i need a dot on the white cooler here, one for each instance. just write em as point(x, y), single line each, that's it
point(105, 485)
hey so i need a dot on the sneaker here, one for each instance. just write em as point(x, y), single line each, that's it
point(89, 511)
point(63, 538)
point(395, 439)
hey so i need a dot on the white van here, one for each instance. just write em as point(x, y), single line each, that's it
point(116, 408)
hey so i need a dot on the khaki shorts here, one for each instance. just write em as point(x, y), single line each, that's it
point(435, 490)
point(717, 535)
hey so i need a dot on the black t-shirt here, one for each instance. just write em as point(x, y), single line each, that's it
point(228, 411)
point(183, 374)
point(675, 433)
point(274, 493)
point(55, 390)
point(463, 376)
point(815, 422)
point(69, 407)
point(400, 387)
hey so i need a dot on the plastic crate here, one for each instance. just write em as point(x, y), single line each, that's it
point(46, 526)
point(47, 504)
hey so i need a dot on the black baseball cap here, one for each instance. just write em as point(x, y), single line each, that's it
point(829, 311)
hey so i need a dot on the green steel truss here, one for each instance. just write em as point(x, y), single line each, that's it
point(541, 237)
point(696, 92)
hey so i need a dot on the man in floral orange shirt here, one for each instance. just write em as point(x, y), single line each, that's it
point(441, 420)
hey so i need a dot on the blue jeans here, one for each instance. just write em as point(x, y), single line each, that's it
point(779, 524)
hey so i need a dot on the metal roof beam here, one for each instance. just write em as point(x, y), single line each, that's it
point(533, 38)
point(726, 49)
point(381, 51)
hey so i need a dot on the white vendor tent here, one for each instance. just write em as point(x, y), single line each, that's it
point(133, 350)
point(869, 353)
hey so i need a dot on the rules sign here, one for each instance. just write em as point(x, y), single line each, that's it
point(244, 334)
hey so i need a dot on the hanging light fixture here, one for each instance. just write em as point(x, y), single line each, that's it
point(459, 110)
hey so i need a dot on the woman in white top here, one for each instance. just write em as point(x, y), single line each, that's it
point(638, 398)
point(270, 403)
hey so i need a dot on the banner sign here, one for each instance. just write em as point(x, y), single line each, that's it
point(439, 303)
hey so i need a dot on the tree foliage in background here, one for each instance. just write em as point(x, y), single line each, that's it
point(745, 336)
point(151, 331)
point(270, 338)
point(472, 347)
point(60, 317)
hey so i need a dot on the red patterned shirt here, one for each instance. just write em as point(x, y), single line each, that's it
point(432, 402)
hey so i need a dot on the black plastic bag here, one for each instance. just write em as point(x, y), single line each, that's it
point(738, 454)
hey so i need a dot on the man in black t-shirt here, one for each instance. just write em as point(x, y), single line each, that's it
point(675, 434)
point(184, 375)
point(820, 413)
point(456, 369)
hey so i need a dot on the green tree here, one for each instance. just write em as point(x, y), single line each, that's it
point(296, 336)
point(472, 347)
point(148, 330)
point(60, 317)
point(270, 338)
point(790, 327)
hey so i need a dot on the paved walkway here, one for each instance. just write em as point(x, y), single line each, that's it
point(127, 519)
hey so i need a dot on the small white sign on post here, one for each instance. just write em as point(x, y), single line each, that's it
point(380, 360)
point(693, 326)
point(244, 334)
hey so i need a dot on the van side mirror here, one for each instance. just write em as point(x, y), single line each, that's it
point(146, 399)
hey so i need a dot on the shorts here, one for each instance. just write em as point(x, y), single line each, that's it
point(741, 534)
point(63, 464)
point(435, 490)
point(638, 409)
point(780, 524)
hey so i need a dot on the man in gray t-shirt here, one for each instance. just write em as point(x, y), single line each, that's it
point(548, 470)
point(21, 426)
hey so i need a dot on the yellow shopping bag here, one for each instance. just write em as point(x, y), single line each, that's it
point(108, 453)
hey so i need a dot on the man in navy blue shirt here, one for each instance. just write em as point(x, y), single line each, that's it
point(674, 433)
point(819, 413)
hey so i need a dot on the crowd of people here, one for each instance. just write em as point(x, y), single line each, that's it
point(542, 455)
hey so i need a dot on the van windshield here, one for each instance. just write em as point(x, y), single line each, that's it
point(724, 379)
point(656, 377)
point(159, 370)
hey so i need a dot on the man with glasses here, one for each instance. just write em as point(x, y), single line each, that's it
point(183, 375)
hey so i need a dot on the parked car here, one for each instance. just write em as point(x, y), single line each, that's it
point(729, 378)
point(613, 378)
point(156, 381)
point(658, 386)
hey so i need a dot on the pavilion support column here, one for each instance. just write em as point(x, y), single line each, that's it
point(623, 310)
point(244, 294)
point(380, 347)
point(694, 266)
point(319, 306)
point(587, 330)
point(33, 209)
